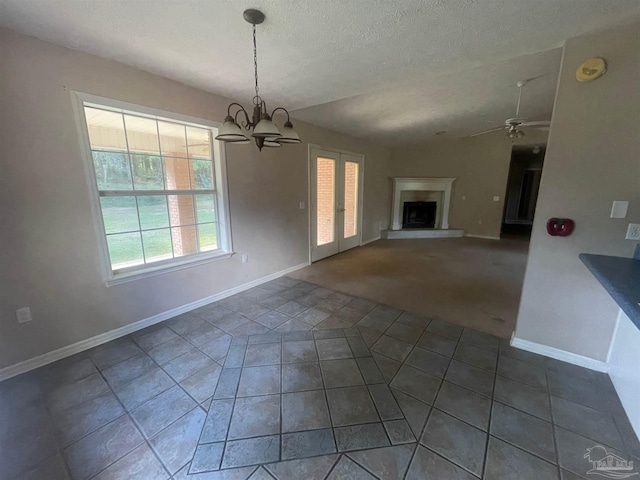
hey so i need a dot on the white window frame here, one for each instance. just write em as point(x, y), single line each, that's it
point(225, 248)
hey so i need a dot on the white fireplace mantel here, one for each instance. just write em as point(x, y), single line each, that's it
point(402, 184)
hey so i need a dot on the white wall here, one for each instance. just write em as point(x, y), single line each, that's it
point(592, 159)
point(481, 168)
point(48, 245)
point(623, 368)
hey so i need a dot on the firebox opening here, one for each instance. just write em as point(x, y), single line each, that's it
point(419, 214)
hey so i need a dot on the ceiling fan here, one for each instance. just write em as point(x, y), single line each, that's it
point(514, 126)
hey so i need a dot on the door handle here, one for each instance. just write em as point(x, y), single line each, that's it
point(341, 209)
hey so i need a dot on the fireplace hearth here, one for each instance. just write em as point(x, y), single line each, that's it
point(419, 214)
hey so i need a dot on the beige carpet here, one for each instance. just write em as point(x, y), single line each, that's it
point(471, 282)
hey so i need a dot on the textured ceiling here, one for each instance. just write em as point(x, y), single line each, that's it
point(441, 60)
point(459, 103)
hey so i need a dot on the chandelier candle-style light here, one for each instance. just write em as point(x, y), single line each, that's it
point(261, 128)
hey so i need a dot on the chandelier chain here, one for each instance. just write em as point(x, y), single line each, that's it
point(261, 128)
point(255, 64)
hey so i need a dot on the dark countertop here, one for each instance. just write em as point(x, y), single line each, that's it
point(621, 278)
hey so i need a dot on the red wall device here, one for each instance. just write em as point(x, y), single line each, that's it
point(560, 227)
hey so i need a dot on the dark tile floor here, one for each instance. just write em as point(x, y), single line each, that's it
point(291, 381)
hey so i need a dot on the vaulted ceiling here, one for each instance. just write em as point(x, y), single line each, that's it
point(395, 71)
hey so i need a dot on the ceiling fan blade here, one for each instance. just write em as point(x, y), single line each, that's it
point(541, 123)
point(529, 80)
point(488, 131)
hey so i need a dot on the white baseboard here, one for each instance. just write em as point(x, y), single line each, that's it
point(561, 355)
point(486, 237)
point(60, 353)
point(364, 242)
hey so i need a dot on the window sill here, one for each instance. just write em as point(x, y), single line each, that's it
point(150, 271)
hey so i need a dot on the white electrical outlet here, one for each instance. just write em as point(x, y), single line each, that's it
point(301, 205)
point(245, 258)
point(23, 315)
point(496, 198)
point(633, 232)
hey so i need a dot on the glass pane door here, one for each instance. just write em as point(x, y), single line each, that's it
point(325, 186)
point(350, 221)
point(325, 200)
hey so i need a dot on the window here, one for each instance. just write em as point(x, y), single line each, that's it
point(159, 185)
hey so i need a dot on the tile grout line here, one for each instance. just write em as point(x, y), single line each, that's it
point(375, 406)
point(205, 422)
point(126, 413)
point(335, 464)
point(59, 448)
point(281, 433)
point(364, 467)
point(493, 390)
point(615, 417)
point(326, 398)
point(233, 407)
point(432, 407)
point(553, 423)
point(387, 385)
point(170, 376)
point(135, 424)
point(451, 462)
point(147, 440)
point(233, 399)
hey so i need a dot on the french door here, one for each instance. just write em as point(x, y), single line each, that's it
point(336, 202)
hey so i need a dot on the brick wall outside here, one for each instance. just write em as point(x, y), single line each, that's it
point(350, 199)
point(181, 208)
point(325, 187)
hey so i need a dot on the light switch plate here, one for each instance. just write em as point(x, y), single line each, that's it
point(23, 315)
point(619, 209)
point(301, 205)
point(496, 198)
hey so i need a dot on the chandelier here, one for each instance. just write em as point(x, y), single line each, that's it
point(260, 127)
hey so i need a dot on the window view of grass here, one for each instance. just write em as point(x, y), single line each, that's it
point(120, 216)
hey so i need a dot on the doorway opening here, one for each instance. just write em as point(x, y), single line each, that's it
point(525, 172)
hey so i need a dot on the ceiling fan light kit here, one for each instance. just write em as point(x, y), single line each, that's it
point(514, 133)
point(260, 127)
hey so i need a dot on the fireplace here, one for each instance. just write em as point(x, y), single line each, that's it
point(419, 214)
point(425, 191)
point(420, 209)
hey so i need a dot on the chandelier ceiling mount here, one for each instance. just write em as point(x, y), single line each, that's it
point(260, 127)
